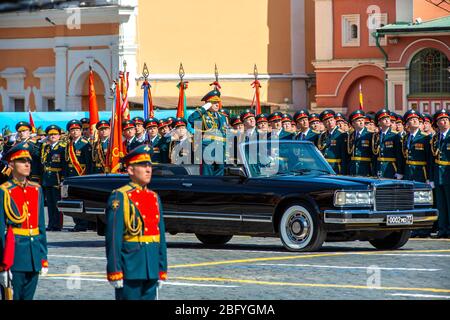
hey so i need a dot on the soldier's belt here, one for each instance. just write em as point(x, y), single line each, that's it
point(50, 169)
point(442, 163)
point(416, 163)
point(334, 160)
point(361, 159)
point(26, 232)
point(128, 238)
point(387, 159)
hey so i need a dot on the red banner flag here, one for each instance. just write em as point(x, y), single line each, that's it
point(33, 127)
point(115, 148)
point(361, 105)
point(181, 108)
point(124, 84)
point(93, 107)
point(256, 98)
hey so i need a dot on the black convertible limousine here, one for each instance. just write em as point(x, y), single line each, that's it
point(295, 196)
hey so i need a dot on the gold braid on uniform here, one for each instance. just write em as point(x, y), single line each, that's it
point(434, 145)
point(44, 153)
point(214, 125)
point(350, 143)
point(404, 149)
point(98, 156)
point(9, 210)
point(322, 141)
point(376, 143)
point(133, 225)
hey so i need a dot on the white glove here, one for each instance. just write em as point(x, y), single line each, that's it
point(4, 275)
point(398, 176)
point(118, 284)
point(207, 105)
point(44, 272)
point(160, 284)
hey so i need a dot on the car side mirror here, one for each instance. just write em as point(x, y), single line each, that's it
point(235, 172)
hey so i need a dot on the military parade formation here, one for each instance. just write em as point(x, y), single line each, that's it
point(414, 146)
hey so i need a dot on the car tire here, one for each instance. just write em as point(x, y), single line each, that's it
point(393, 241)
point(213, 239)
point(300, 229)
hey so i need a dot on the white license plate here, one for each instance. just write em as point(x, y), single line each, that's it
point(399, 220)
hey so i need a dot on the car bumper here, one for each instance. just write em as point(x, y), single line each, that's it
point(369, 217)
point(76, 207)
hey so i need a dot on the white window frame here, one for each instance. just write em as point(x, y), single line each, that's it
point(384, 21)
point(347, 21)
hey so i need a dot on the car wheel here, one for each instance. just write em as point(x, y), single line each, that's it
point(213, 239)
point(393, 241)
point(300, 229)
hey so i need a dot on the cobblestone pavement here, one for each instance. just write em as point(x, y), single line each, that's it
point(257, 269)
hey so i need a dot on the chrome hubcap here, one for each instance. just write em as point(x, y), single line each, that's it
point(298, 227)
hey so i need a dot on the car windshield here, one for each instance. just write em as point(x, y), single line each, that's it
point(276, 157)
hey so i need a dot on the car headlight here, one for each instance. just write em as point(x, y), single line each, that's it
point(64, 191)
point(423, 197)
point(353, 198)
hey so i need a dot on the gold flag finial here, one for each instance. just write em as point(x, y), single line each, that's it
point(216, 72)
point(255, 72)
point(145, 71)
point(181, 72)
point(124, 65)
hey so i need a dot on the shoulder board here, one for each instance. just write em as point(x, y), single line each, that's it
point(316, 132)
point(125, 188)
point(84, 140)
point(6, 185)
point(62, 144)
point(394, 132)
point(34, 184)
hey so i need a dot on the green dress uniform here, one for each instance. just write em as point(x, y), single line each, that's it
point(100, 149)
point(136, 247)
point(182, 151)
point(440, 147)
point(214, 125)
point(22, 213)
point(359, 148)
point(309, 135)
point(133, 142)
point(54, 164)
point(387, 148)
point(34, 147)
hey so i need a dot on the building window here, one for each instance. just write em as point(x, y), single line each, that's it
point(19, 105)
point(350, 30)
point(377, 21)
point(429, 74)
point(50, 104)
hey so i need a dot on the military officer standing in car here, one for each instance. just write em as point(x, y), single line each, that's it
point(136, 248)
point(387, 148)
point(333, 143)
point(100, 146)
point(359, 146)
point(78, 156)
point(23, 242)
point(54, 164)
point(440, 148)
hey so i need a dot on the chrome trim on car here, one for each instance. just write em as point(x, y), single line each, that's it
point(348, 216)
point(215, 216)
point(95, 211)
point(70, 206)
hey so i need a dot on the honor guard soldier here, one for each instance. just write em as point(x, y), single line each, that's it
point(416, 150)
point(155, 141)
point(129, 132)
point(341, 122)
point(226, 113)
point(181, 147)
point(248, 118)
point(140, 130)
point(136, 248)
point(400, 128)
point(237, 124)
point(100, 146)
point(305, 133)
point(440, 148)
point(164, 132)
point(238, 136)
point(24, 135)
point(286, 122)
point(386, 147)
point(333, 143)
point(54, 163)
point(370, 123)
point(86, 130)
point(213, 127)
point(23, 242)
point(262, 123)
point(427, 124)
point(359, 146)
point(315, 123)
point(78, 156)
point(278, 132)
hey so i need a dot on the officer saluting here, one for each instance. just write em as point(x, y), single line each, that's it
point(100, 146)
point(54, 163)
point(23, 242)
point(135, 240)
point(359, 146)
point(333, 143)
point(440, 148)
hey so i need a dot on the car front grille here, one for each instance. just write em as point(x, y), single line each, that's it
point(394, 197)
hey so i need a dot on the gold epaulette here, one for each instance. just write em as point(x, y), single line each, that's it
point(62, 144)
point(394, 132)
point(316, 132)
point(34, 184)
point(6, 185)
point(124, 189)
point(84, 140)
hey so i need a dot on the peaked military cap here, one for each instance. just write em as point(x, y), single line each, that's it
point(40, 131)
point(139, 155)
point(74, 124)
point(286, 117)
point(23, 126)
point(163, 123)
point(275, 116)
point(179, 122)
point(102, 124)
point(170, 121)
point(247, 113)
point(326, 114)
point(19, 151)
point(234, 121)
point(383, 113)
point(212, 96)
point(440, 114)
point(261, 118)
point(370, 118)
point(127, 124)
point(427, 117)
point(151, 122)
point(313, 117)
point(53, 129)
point(357, 114)
point(340, 117)
point(410, 114)
point(138, 120)
point(85, 123)
point(225, 112)
point(301, 114)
